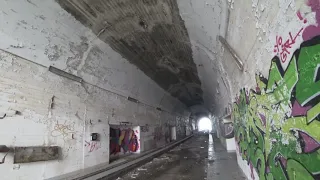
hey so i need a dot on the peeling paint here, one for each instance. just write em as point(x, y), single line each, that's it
point(53, 52)
point(153, 39)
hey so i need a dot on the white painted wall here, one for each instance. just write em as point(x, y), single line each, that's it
point(173, 133)
point(231, 145)
point(41, 32)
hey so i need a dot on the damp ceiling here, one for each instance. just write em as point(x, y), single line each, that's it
point(151, 35)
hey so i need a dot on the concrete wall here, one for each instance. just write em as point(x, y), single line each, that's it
point(42, 109)
point(154, 136)
point(276, 113)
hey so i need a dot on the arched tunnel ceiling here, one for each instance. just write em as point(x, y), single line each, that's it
point(148, 33)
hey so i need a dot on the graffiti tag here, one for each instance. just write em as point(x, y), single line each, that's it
point(92, 146)
point(283, 47)
point(277, 125)
point(63, 130)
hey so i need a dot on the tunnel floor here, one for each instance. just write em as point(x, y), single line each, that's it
point(201, 157)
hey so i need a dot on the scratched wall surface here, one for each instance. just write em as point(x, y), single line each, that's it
point(205, 20)
point(39, 108)
point(276, 111)
point(150, 34)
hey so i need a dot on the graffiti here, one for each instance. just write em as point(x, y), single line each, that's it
point(277, 125)
point(92, 146)
point(282, 48)
point(145, 128)
point(157, 135)
point(227, 129)
point(125, 140)
point(301, 18)
point(312, 30)
point(63, 130)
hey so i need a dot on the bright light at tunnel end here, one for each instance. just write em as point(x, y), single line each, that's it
point(204, 124)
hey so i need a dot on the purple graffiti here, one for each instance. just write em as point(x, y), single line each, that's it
point(263, 119)
point(313, 30)
point(283, 161)
point(298, 110)
point(310, 144)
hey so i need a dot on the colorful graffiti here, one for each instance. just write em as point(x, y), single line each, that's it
point(277, 125)
point(125, 139)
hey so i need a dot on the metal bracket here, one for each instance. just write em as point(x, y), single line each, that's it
point(233, 53)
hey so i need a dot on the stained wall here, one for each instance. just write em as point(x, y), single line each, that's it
point(276, 96)
point(39, 108)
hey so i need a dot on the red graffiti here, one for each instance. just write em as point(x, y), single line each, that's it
point(125, 139)
point(282, 47)
point(92, 146)
point(301, 18)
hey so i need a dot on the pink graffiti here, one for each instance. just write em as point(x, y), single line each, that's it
point(283, 47)
point(263, 119)
point(310, 144)
point(258, 90)
point(301, 18)
point(298, 110)
point(283, 161)
point(313, 30)
point(92, 146)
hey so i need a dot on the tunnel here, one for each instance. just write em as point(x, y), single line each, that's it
point(159, 89)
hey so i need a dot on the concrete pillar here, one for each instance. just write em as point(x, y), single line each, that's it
point(173, 133)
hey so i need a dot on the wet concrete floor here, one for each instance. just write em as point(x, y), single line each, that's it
point(198, 158)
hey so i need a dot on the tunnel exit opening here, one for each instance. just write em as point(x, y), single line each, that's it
point(205, 124)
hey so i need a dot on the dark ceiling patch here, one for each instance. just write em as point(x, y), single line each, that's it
point(148, 33)
point(166, 77)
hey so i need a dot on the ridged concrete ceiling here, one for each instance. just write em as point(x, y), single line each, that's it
point(148, 33)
